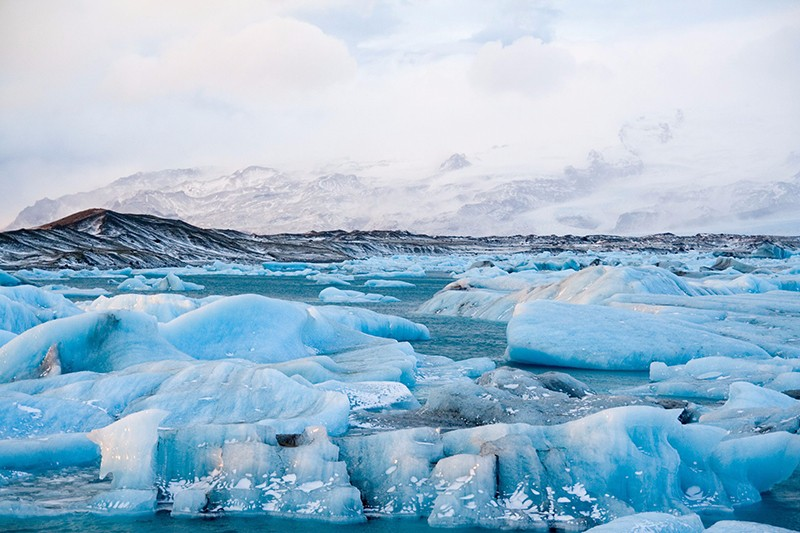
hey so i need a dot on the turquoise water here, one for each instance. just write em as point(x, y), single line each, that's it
point(162, 522)
point(454, 337)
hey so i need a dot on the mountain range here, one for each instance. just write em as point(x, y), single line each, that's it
point(658, 178)
point(107, 239)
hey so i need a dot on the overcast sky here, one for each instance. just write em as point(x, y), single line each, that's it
point(94, 90)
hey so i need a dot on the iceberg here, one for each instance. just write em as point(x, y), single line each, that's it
point(261, 329)
point(751, 408)
point(387, 283)
point(73, 292)
point(99, 342)
point(710, 378)
point(7, 280)
point(585, 472)
point(332, 295)
point(330, 279)
point(127, 447)
point(673, 318)
point(164, 307)
point(591, 336)
point(248, 404)
point(26, 306)
point(170, 282)
point(377, 324)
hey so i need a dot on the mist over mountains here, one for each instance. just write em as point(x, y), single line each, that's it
point(652, 181)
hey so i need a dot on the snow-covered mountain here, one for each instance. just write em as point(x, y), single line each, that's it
point(657, 179)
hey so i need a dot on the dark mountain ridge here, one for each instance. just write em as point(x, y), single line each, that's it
point(107, 239)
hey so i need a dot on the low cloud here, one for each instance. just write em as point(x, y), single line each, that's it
point(527, 66)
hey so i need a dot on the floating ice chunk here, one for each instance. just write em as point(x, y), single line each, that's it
point(127, 447)
point(711, 377)
point(26, 306)
point(413, 270)
point(331, 279)
point(595, 285)
point(753, 464)
point(73, 292)
point(100, 342)
point(164, 307)
point(67, 273)
point(136, 283)
point(633, 458)
point(473, 303)
point(7, 280)
point(372, 323)
point(652, 523)
point(588, 336)
point(492, 297)
point(385, 283)
point(170, 282)
point(482, 272)
point(753, 408)
point(333, 295)
point(788, 382)
point(287, 267)
point(770, 320)
point(260, 329)
point(771, 250)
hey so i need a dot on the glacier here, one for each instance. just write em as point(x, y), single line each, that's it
point(250, 404)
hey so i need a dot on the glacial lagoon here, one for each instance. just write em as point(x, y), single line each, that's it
point(458, 338)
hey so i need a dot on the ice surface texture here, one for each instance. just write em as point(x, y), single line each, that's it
point(668, 523)
point(609, 464)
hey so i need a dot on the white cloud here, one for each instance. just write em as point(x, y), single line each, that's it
point(277, 58)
